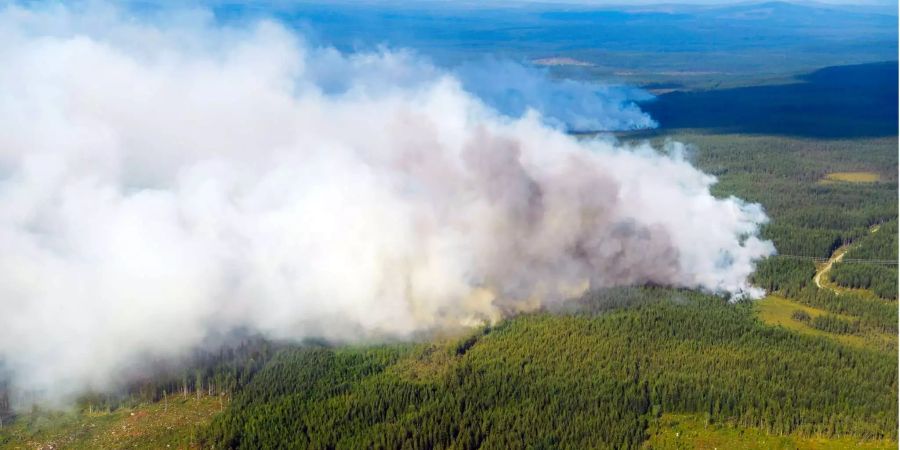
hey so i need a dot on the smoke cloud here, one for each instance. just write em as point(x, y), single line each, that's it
point(513, 89)
point(163, 183)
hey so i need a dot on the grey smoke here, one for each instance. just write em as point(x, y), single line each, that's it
point(162, 183)
point(513, 89)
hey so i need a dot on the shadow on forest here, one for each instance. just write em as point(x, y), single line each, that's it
point(833, 102)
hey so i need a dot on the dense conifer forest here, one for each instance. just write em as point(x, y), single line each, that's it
point(578, 379)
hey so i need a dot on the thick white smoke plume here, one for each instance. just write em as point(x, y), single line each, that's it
point(161, 183)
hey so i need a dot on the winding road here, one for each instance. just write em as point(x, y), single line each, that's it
point(835, 257)
point(823, 271)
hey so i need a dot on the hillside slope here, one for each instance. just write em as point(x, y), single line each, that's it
point(575, 380)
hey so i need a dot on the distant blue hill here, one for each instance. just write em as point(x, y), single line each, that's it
point(763, 37)
point(844, 101)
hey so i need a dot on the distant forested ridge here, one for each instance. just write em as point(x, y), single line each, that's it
point(834, 102)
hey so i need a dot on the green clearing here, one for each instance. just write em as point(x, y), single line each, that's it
point(852, 177)
point(777, 311)
point(173, 423)
point(691, 431)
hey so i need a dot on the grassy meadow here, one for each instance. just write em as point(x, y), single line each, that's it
point(172, 423)
point(686, 431)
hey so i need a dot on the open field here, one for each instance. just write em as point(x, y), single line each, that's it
point(691, 431)
point(776, 311)
point(852, 177)
point(165, 424)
